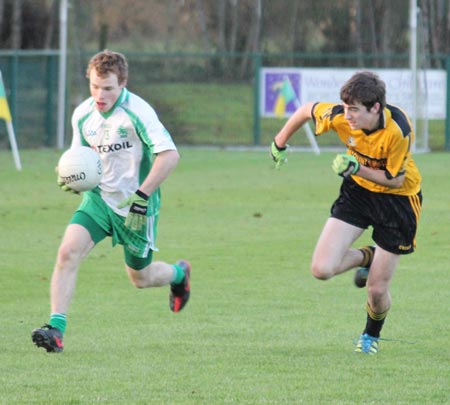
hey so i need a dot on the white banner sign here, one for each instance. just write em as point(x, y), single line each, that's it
point(284, 89)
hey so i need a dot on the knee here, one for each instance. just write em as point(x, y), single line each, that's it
point(67, 255)
point(376, 292)
point(322, 270)
point(137, 278)
point(137, 282)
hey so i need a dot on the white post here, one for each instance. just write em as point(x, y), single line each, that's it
point(14, 148)
point(308, 131)
point(62, 72)
point(6, 115)
point(413, 59)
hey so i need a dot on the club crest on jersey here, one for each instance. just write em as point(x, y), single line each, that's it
point(351, 141)
point(106, 131)
point(122, 132)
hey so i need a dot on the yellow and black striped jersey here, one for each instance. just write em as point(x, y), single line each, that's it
point(388, 148)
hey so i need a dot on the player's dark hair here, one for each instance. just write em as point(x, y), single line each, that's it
point(106, 62)
point(365, 88)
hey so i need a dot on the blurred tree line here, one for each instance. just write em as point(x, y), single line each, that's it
point(315, 26)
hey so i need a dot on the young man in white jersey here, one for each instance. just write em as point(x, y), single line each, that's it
point(137, 155)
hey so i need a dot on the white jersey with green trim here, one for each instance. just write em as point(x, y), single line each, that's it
point(126, 137)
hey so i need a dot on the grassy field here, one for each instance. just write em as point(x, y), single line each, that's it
point(258, 329)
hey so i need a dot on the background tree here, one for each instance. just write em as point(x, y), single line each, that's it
point(16, 28)
point(362, 27)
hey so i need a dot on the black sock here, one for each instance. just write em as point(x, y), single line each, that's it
point(374, 322)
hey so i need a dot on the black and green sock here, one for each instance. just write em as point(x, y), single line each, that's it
point(178, 274)
point(58, 321)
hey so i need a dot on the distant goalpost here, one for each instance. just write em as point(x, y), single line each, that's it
point(419, 81)
point(62, 73)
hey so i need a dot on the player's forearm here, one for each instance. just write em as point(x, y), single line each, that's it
point(165, 162)
point(379, 177)
point(294, 123)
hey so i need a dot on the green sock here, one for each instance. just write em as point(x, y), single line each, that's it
point(58, 321)
point(178, 274)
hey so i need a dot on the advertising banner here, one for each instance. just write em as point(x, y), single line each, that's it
point(284, 89)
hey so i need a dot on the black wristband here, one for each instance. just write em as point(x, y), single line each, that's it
point(278, 148)
point(142, 195)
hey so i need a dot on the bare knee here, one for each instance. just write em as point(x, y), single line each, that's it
point(377, 293)
point(138, 282)
point(156, 274)
point(322, 270)
point(68, 256)
point(139, 278)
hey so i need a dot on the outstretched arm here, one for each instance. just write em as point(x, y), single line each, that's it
point(293, 124)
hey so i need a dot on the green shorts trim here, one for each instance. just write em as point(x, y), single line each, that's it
point(101, 221)
point(137, 263)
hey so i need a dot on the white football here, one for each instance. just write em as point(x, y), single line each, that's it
point(80, 168)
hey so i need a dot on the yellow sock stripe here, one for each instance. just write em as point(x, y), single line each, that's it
point(374, 315)
point(368, 256)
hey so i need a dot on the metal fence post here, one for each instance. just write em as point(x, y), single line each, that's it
point(447, 111)
point(256, 94)
point(51, 74)
point(14, 68)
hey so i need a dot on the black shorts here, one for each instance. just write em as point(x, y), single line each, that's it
point(393, 217)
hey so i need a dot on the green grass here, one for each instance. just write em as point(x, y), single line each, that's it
point(258, 329)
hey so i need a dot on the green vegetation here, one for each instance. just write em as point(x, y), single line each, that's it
point(222, 115)
point(259, 327)
point(190, 94)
